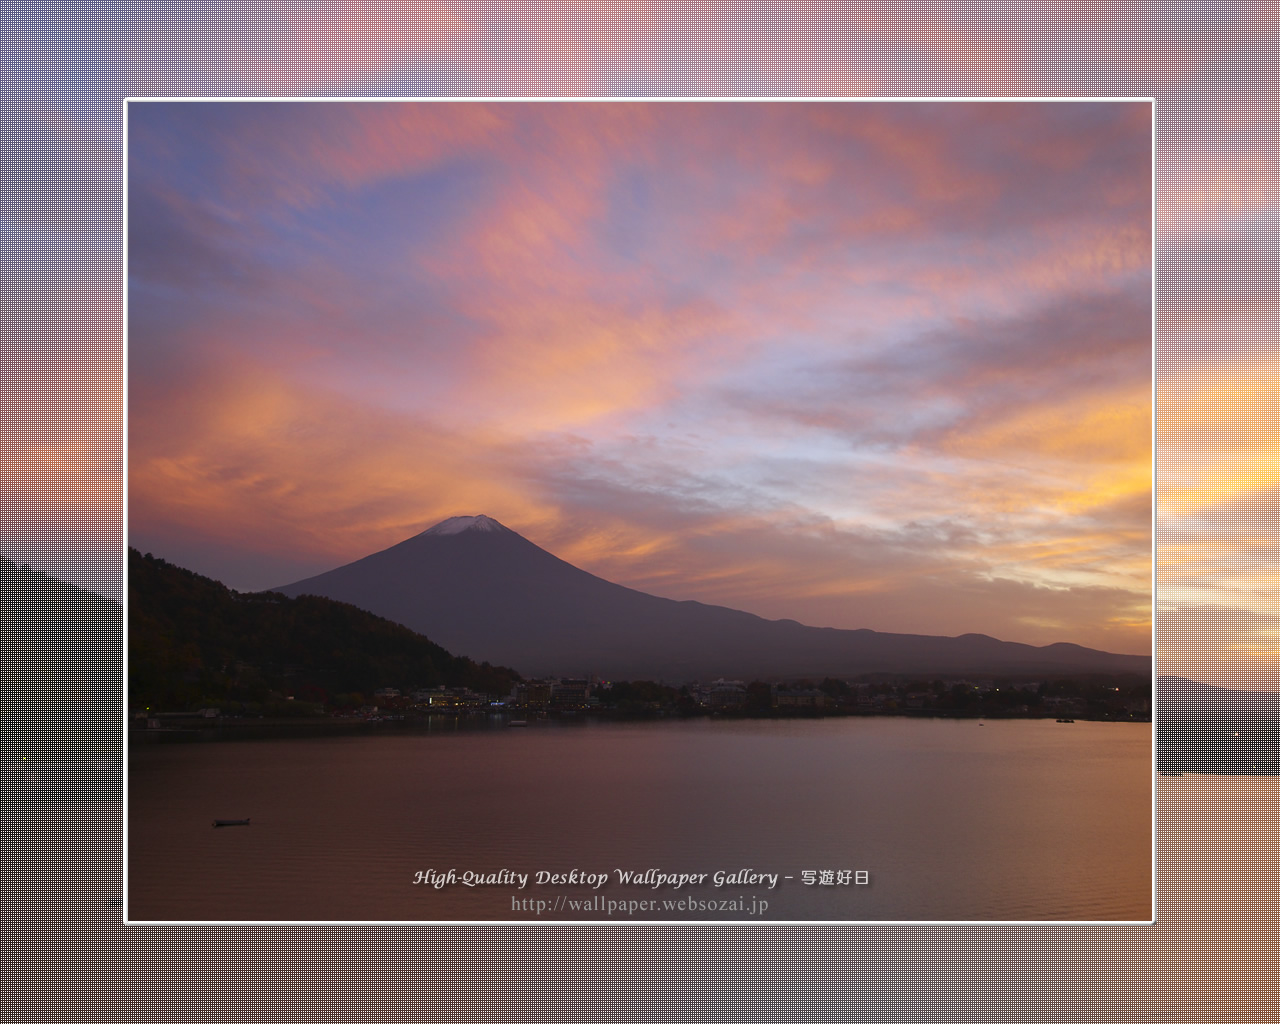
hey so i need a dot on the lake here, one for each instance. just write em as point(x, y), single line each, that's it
point(945, 819)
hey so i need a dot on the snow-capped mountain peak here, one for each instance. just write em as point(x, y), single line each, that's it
point(461, 524)
point(486, 592)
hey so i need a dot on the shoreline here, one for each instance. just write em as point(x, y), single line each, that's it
point(179, 728)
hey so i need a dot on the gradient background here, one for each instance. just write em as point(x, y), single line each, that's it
point(1212, 956)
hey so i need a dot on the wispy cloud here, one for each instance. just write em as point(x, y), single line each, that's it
point(862, 365)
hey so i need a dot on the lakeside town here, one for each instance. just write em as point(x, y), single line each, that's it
point(1097, 699)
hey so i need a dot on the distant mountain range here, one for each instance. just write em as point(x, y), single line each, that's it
point(60, 660)
point(481, 590)
point(1187, 702)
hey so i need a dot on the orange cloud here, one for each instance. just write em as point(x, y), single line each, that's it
point(681, 346)
point(257, 458)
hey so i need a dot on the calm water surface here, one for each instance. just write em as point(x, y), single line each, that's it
point(951, 820)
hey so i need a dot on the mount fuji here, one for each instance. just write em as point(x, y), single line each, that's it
point(480, 589)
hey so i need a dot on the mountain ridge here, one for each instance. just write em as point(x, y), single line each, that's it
point(194, 640)
point(481, 589)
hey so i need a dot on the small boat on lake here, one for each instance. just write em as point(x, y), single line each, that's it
point(517, 723)
point(220, 822)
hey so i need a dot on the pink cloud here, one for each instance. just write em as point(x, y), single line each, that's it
point(602, 345)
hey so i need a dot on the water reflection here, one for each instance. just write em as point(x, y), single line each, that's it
point(1016, 820)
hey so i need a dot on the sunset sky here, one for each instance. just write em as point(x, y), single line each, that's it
point(881, 365)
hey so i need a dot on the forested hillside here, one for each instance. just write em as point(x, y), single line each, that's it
point(193, 642)
point(60, 662)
